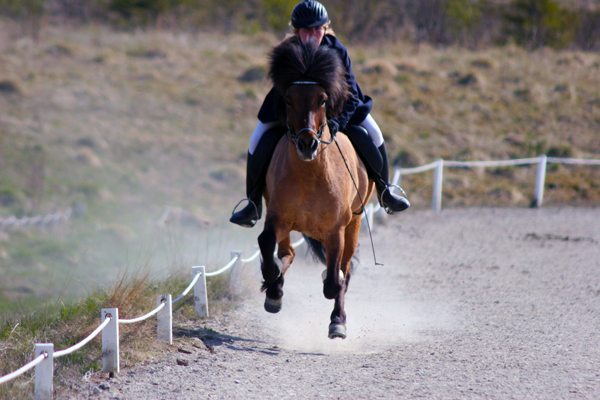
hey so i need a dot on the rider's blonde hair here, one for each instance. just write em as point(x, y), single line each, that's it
point(327, 27)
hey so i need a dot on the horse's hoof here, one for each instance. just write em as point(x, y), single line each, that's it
point(332, 290)
point(337, 331)
point(273, 305)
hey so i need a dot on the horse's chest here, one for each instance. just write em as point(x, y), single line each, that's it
point(308, 198)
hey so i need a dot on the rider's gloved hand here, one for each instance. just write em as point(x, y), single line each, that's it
point(334, 126)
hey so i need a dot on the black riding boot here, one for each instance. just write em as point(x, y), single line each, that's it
point(390, 201)
point(249, 215)
point(256, 171)
point(376, 162)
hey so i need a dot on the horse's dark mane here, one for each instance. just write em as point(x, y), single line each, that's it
point(291, 61)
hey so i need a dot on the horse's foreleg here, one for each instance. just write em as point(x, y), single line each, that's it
point(337, 327)
point(267, 241)
point(332, 285)
point(274, 290)
point(286, 253)
point(270, 266)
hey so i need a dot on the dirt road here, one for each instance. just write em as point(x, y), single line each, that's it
point(470, 304)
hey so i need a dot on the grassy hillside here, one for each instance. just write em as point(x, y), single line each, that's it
point(128, 123)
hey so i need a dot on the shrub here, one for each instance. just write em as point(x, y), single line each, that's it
point(464, 18)
point(587, 32)
point(538, 23)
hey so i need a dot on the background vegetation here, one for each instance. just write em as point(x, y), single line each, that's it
point(472, 23)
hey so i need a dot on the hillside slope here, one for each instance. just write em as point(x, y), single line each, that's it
point(128, 123)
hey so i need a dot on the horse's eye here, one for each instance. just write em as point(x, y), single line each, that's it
point(323, 103)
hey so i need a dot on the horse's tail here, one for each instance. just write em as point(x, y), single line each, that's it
point(317, 250)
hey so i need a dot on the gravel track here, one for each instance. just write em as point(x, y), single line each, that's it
point(470, 304)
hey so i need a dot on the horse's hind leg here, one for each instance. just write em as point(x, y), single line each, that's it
point(337, 327)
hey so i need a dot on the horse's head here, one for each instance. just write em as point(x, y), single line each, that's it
point(311, 86)
point(306, 117)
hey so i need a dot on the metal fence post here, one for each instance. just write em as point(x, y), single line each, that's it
point(44, 373)
point(438, 176)
point(235, 275)
point(165, 319)
point(540, 181)
point(200, 293)
point(110, 341)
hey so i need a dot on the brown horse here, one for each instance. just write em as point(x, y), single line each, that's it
point(315, 184)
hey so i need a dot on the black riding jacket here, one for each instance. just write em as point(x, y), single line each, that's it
point(357, 107)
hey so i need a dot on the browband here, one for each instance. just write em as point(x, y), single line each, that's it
point(305, 83)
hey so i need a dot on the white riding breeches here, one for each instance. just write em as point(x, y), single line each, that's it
point(369, 124)
point(374, 131)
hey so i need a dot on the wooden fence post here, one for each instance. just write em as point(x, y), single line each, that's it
point(110, 341)
point(165, 318)
point(200, 293)
point(44, 373)
point(438, 177)
point(235, 275)
point(540, 181)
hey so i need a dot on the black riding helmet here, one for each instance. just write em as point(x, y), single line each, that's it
point(308, 14)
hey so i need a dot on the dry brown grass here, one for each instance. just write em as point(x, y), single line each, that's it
point(134, 293)
point(165, 117)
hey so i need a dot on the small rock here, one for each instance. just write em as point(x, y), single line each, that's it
point(184, 351)
point(104, 386)
point(467, 80)
point(254, 74)
point(96, 391)
point(210, 348)
point(9, 87)
point(181, 361)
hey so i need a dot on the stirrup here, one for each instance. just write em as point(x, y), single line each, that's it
point(255, 209)
point(387, 209)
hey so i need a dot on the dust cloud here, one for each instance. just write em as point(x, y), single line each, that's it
point(379, 311)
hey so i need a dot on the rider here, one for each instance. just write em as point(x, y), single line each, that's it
point(311, 23)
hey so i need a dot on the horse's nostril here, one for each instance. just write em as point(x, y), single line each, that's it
point(313, 145)
point(301, 144)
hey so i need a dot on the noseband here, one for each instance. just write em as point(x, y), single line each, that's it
point(293, 136)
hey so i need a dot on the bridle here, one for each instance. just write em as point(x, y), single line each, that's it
point(293, 135)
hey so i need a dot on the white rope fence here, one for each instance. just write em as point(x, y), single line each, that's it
point(44, 352)
point(438, 173)
point(45, 355)
point(46, 222)
point(24, 368)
